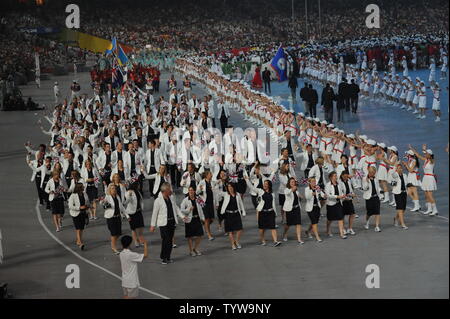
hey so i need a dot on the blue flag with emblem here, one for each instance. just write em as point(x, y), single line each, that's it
point(279, 64)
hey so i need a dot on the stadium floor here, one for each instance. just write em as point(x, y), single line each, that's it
point(413, 263)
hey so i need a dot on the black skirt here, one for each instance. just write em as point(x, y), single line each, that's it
point(92, 193)
point(136, 220)
point(208, 209)
point(233, 222)
point(335, 212)
point(348, 208)
point(373, 206)
point(314, 215)
point(294, 217)
point(400, 201)
point(281, 199)
point(194, 228)
point(114, 225)
point(57, 205)
point(80, 221)
point(241, 186)
point(266, 220)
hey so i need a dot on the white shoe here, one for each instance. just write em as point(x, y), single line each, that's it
point(366, 226)
point(404, 227)
point(434, 213)
point(409, 108)
point(438, 119)
point(427, 212)
point(418, 117)
point(285, 239)
point(415, 209)
point(403, 107)
point(415, 112)
point(345, 231)
point(392, 203)
point(423, 117)
point(377, 229)
point(300, 242)
point(351, 232)
point(386, 200)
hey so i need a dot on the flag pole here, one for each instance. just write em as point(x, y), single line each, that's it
point(306, 19)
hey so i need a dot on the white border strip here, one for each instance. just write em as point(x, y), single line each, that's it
point(39, 216)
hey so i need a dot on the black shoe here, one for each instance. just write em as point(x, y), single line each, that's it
point(164, 262)
point(170, 261)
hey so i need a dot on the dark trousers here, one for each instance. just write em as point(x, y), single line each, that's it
point(354, 104)
point(329, 114)
point(341, 114)
point(213, 120)
point(294, 94)
point(255, 201)
point(151, 182)
point(155, 86)
point(167, 233)
point(347, 104)
point(267, 87)
point(41, 192)
point(175, 175)
point(312, 109)
point(223, 123)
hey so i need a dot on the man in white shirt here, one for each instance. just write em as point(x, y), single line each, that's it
point(128, 262)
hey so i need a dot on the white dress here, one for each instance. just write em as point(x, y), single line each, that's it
point(429, 180)
point(413, 177)
point(436, 100)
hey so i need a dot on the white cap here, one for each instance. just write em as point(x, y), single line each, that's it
point(382, 145)
point(330, 125)
point(309, 118)
point(335, 130)
point(56, 83)
point(371, 142)
point(324, 122)
point(410, 152)
point(363, 137)
point(316, 119)
point(301, 114)
point(429, 151)
point(393, 148)
point(351, 136)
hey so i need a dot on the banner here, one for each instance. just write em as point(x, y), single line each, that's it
point(88, 42)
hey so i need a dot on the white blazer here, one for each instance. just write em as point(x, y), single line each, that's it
point(367, 188)
point(186, 181)
point(396, 181)
point(122, 192)
point(186, 211)
point(131, 202)
point(331, 196)
point(126, 172)
point(137, 161)
point(289, 202)
point(315, 172)
point(303, 159)
point(240, 204)
point(109, 212)
point(51, 187)
point(85, 175)
point(260, 192)
point(309, 197)
point(158, 160)
point(201, 190)
point(224, 107)
point(157, 179)
point(74, 204)
point(159, 215)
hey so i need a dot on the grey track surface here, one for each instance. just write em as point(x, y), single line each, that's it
point(413, 263)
